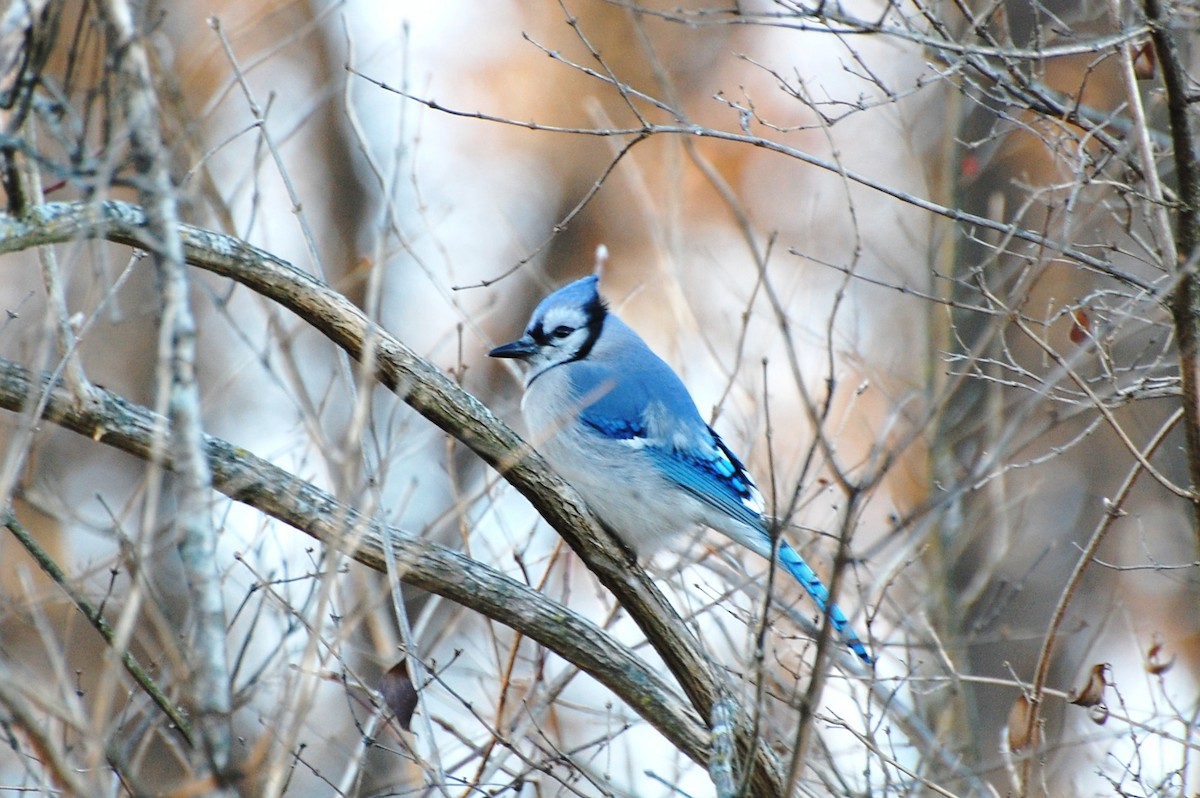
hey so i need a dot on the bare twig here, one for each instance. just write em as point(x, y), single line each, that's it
point(1113, 511)
point(1091, 262)
point(49, 750)
point(96, 618)
point(211, 692)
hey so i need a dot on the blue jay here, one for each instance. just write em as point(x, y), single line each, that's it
point(613, 419)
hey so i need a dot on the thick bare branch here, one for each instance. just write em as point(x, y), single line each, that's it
point(253, 481)
point(1185, 304)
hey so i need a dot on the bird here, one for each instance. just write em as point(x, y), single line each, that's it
point(617, 422)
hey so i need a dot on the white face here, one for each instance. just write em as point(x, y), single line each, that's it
point(559, 335)
point(564, 328)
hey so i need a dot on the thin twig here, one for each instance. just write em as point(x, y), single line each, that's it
point(1091, 262)
point(100, 624)
point(1113, 511)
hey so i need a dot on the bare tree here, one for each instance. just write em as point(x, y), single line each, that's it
point(931, 266)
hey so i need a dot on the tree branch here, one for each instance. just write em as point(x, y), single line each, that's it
point(257, 483)
point(1185, 302)
point(1093, 263)
point(210, 691)
point(431, 393)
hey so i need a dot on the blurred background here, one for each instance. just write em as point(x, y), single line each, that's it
point(812, 212)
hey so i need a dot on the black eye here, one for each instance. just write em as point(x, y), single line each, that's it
point(562, 331)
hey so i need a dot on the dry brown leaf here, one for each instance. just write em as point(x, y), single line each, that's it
point(1155, 664)
point(1020, 735)
point(1092, 693)
point(1145, 61)
point(1081, 326)
point(399, 693)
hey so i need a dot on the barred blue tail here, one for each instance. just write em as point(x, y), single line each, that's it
point(798, 568)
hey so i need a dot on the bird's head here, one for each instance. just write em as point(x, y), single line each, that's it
point(563, 328)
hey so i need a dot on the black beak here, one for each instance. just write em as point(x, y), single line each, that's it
point(520, 349)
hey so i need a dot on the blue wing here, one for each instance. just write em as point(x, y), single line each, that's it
point(651, 409)
point(646, 403)
point(709, 471)
point(617, 401)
